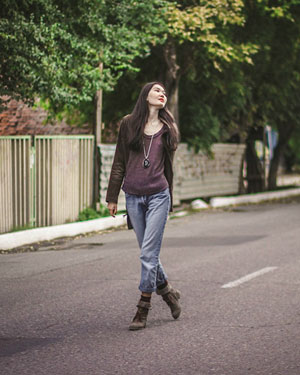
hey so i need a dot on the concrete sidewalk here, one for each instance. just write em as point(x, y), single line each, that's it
point(10, 241)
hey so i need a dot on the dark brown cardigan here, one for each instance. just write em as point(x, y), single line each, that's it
point(121, 157)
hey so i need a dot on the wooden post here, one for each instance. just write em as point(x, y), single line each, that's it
point(99, 111)
point(98, 140)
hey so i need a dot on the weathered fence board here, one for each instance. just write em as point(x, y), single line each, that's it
point(195, 175)
point(198, 175)
point(47, 184)
point(64, 170)
point(15, 182)
point(106, 156)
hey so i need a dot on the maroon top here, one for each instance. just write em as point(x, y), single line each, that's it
point(145, 181)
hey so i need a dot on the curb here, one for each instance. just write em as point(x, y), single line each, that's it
point(12, 240)
point(252, 198)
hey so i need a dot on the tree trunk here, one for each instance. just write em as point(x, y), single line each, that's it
point(255, 175)
point(255, 171)
point(172, 78)
point(272, 177)
point(284, 131)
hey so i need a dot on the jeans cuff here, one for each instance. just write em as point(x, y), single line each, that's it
point(151, 290)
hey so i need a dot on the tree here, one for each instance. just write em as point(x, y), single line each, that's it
point(206, 26)
point(274, 77)
point(52, 49)
point(201, 47)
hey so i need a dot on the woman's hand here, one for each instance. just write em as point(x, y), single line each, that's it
point(112, 208)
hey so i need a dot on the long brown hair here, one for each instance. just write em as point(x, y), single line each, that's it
point(139, 117)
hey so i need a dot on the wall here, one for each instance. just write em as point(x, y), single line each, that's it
point(195, 175)
point(19, 119)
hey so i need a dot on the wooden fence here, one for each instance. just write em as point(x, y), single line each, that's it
point(44, 181)
point(48, 180)
point(198, 175)
point(15, 182)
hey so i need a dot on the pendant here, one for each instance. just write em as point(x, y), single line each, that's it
point(146, 163)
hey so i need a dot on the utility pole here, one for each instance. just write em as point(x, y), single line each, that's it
point(99, 111)
point(98, 139)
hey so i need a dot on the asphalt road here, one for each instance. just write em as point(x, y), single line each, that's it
point(65, 309)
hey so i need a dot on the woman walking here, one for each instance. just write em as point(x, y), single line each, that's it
point(142, 165)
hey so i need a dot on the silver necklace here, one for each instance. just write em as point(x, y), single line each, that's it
point(146, 161)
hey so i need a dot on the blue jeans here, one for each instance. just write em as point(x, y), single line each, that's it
point(148, 215)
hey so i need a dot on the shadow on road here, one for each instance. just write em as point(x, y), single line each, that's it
point(12, 345)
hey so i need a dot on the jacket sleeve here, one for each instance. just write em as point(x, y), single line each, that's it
point(118, 167)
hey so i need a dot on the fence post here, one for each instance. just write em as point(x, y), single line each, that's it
point(32, 195)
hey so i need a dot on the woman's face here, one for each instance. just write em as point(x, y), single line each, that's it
point(157, 96)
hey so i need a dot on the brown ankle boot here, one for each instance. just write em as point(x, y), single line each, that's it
point(171, 297)
point(140, 319)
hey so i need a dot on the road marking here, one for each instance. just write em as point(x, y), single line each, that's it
point(246, 278)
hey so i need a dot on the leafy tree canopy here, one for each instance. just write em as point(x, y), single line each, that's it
point(207, 24)
point(52, 49)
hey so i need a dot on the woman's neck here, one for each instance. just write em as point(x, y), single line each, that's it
point(153, 124)
point(153, 114)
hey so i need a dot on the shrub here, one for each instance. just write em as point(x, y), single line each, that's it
point(90, 213)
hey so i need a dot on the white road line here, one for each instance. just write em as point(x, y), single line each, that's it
point(246, 278)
